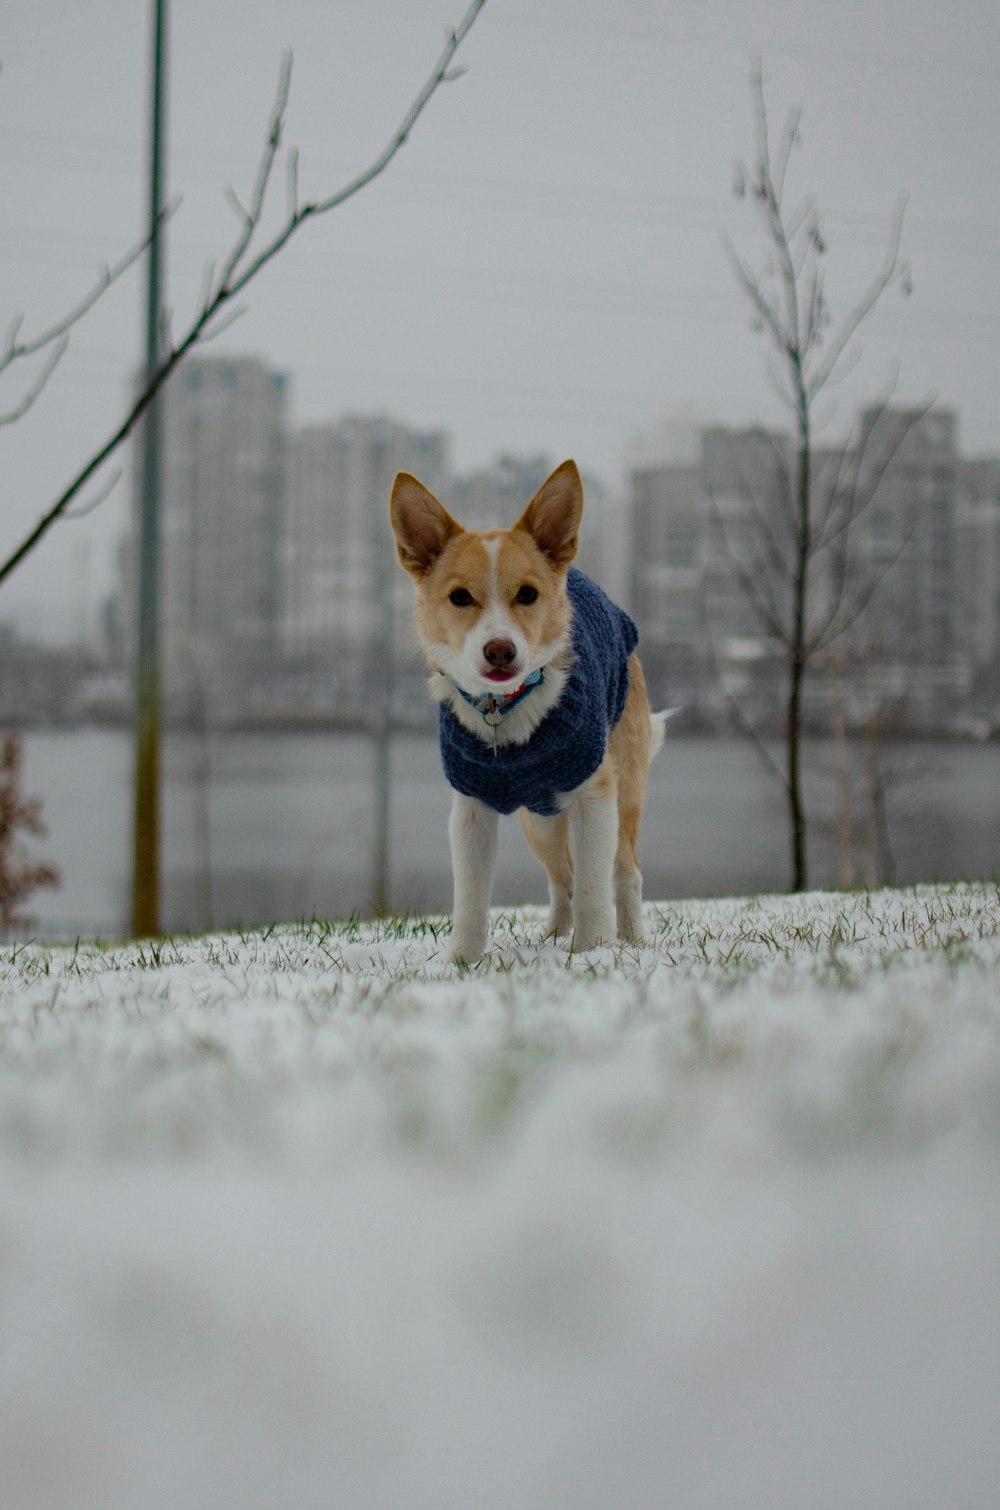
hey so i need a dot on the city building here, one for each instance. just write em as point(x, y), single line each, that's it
point(905, 555)
point(668, 566)
point(495, 496)
point(978, 572)
point(703, 589)
point(903, 570)
point(979, 561)
point(281, 597)
point(221, 527)
point(338, 553)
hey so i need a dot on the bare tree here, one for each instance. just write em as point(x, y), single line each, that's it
point(225, 281)
point(799, 582)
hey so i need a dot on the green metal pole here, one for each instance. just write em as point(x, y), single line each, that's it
point(146, 834)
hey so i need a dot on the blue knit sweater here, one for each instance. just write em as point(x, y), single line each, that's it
point(568, 745)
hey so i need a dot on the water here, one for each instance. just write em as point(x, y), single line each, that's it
point(259, 828)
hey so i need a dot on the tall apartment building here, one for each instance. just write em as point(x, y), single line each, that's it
point(339, 559)
point(710, 539)
point(668, 564)
point(907, 542)
point(222, 519)
point(698, 549)
point(978, 565)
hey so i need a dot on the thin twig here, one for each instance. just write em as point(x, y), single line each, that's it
point(13, 349)
point(30, 395)
point(91, 504)
point(890, 272)
point(832, 631)
point(766, 613)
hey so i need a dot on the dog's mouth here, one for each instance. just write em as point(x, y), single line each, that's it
point(494, 675)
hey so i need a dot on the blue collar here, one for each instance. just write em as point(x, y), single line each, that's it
point(493, 707)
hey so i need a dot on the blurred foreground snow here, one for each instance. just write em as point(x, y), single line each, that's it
point(311, 1219)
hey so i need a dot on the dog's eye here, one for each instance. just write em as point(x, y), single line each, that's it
point(526, 594)
point(461, 597)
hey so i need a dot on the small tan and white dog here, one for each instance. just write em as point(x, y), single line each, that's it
point(543, 708)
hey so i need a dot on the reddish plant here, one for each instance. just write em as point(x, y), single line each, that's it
point(19, 877)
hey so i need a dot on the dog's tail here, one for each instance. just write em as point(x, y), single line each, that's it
point(659, 724)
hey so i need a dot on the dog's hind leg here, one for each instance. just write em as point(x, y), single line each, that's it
point(548, 839)
point(628, 876)
point(631, 747)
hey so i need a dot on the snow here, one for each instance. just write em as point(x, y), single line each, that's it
point(309, 1217)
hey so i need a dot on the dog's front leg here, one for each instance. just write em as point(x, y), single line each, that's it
point(594, 819)
point(472, 829)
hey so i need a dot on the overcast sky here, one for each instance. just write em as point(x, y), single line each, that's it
point(541, 269)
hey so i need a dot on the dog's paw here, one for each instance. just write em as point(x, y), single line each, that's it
point(467, 949)
point(560, 920)
point(592, 935)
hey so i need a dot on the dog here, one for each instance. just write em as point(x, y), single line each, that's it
point(543, 708)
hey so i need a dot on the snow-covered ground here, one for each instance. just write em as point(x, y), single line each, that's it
point(309, 1218)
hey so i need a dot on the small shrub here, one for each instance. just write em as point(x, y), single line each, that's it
point(19, 876)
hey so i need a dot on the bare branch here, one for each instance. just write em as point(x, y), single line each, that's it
point(831, 499)
point(10, 339)
point(834, 629)
point(13, 349)
point(781, 387)
point(866, 481)
point(91, 504)
point(773, 552)
point(779, 453)
point(888, 274)
point(207, 284)
point(233, 201)
point(233, 277)
point(292, 184)
point(761, 128)
point(28, 398)
point(769, 317)
point(814, 309)
point(234, 284)
point(859, 496)
point(768, 196)
point(225, 322)
point(750, 582)
point(844, 368)
point(789, 138)
point(258, 194)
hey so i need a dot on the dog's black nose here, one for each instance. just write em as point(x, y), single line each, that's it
point(500, 653)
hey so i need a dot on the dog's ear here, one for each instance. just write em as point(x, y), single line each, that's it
point(421, 525)
point(552, 518)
